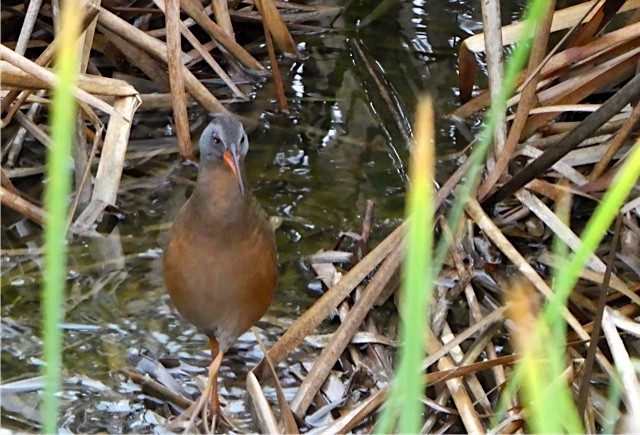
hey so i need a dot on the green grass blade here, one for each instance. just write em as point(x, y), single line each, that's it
point(57, 189)
point(597, 226)
point(407, 389)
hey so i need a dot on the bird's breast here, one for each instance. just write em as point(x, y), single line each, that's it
point(221, 277)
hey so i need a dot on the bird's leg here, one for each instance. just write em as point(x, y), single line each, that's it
point(213, 381)
point(212, 384)
point(211, 390)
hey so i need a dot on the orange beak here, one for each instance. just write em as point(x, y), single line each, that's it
point(231, 160)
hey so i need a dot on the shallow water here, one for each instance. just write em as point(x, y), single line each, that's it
point(315, 168)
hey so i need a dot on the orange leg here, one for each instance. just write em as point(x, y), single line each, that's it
point(210, 392)
point(217, 355)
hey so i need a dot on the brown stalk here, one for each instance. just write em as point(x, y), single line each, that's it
point(344, 333)
point(109, 172)
point(551, 67)
point(527, 101)
point(311, 318)
point(277, 27)
point(627, 310)
point(79, 152)
point(290, 426)
point(577, 88)
point(597, 322)
point(88, 14)
point(594, 49)
point(221, 11)
point(493, 42)
point(474, 305)
point(196, 11)
point(156, 389)
point(590, 275)
point(266, 419)
point(365, 408)
point(471, 380)
point(50, 78)
point(616, 143)
point(138, 57)
point(33, 129)
point(335, 295)
point(103, 86)
point(562, 19)
point(22, 206)
point(603, 15)
point(468, 358)
point(353, 417)
point(585, 80)
point(590, 124)
point(15, 143)
point(28, 24)
point(85, 176)
point(485, 223)
point(176, 78)
point(630, 386)
point(6, 183)
point(558, 227)
point(437, 352)
point(204, 53)
point(456, 389)
point(282, 99)
point(159, 50)
point(134, 35)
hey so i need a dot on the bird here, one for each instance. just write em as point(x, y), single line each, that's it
point(221, 264)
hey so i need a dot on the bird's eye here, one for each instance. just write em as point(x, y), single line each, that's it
point(216, 140)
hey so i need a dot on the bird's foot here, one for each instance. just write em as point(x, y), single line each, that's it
point(200, 417)
point(207, 407)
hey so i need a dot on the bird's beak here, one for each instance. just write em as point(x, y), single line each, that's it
point(231, 160)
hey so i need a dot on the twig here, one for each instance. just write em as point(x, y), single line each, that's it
point(597, 322)
point(156, 389)
point(22, 206)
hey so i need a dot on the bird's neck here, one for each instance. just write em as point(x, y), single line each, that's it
point(219, 198)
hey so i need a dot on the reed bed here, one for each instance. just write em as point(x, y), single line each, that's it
point(525, 240)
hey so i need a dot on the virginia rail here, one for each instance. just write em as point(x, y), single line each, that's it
point(220, 266)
